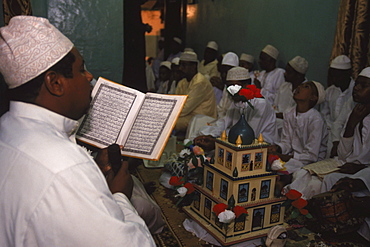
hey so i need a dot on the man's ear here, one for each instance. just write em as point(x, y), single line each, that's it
point(54, 83)
point(314, 98)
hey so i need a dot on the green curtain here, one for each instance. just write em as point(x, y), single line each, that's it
point(16, 7)
point(352, 33)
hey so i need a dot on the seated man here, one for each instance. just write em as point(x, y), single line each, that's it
point(164, 82)
point(295, 75)
point(261, 118)
point(52, 191)
point(339, 77)
point(201, 99)
point(208, 66)
point(304, 135)
point(271, 77)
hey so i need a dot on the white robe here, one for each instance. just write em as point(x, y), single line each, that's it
point(270, 83)
point(262, 120)
point(304, 136)
point(52, 193)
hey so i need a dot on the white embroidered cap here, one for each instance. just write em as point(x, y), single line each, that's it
point(341, 62)
point(271, 51)
point(237, 74)
point(320, 92)
point(29, 46)
point(231, 59)
point(247, 57)
point(188, 49)
point(166, 64)
point(365, 72)
point(213, 45)
point(189, 56)
point(177, 40)
point(176, 61)
point(299, 64)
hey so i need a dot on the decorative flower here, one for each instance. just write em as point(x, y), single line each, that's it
point(272, 157)
point(278, 165)
point(303, 211)
point(190, 188)
point(198, 150)
point(293, 194)
point(299, 203)
point(238, 210)
point(244, 94)
point(226, 216)
point(176, 181)
point(182, 191)
point(219, 208)
point(233, 89)
point(185, 152)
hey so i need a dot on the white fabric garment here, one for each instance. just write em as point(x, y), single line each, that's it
point(262, 120)
point(52, 192)
point(305, 137)
point(165, 87)
point(218, 94)
point(334, 101)
point(270, 83)
point(172, 56)
point(339, 124)
point(150, 78)
point(224, 104)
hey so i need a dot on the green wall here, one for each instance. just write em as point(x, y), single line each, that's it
point(295, 27)
point(96, 29)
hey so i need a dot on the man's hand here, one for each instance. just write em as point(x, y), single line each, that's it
point(334, 149)
point(348, 184)
point(122, 182)
point(205, 142)
point(358, 113)
point(351, 168)
point(217, 82)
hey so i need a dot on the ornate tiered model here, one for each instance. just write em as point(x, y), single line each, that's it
point(239, 172)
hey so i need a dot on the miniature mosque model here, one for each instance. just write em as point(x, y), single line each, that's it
point(239, 173)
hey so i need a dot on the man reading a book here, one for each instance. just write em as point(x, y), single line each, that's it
point(52, 192)
point(201, 98)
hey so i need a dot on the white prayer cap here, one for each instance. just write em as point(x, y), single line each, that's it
point(166, 64)
point(176, 61)
point(177, 40)
point(271, 51)
point(189, 56)
point(341, 62)
point(188, 49)
point(320, 92)
point(213, 45)
point(299, 64)
point(28, 47)
point(237, 74)
point(247, 57)
point(365, 72)
point(231, 59)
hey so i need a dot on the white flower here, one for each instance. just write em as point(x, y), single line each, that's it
point(233, 89)
point(182, 191)
point(184, 152)
point(226, 216)
point(277, 165)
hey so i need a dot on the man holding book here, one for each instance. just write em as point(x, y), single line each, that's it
point(52, 192)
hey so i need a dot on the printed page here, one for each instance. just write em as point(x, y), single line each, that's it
point(323, 167)
point(113, 107)
point(153, 126)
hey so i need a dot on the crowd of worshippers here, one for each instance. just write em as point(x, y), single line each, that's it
point(304, 122)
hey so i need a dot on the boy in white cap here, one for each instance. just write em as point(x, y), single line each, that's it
point(247, 61)
point(304, 135)
point(271, 77)
point(353, 148)
point(175, 48)
point(261, 118)
point(340, 91)
point(164, 83)
point(295, 75)
point(201, 98)
point(52, 191)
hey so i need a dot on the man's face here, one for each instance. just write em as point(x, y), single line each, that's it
point(264, 60)
point(361, 90)
point(78, 89)
point(247, 65)
point(224, 70)
point(164, 73)
point(187, 68)
point(340, 78)
point(290, 73)
point(305, 91)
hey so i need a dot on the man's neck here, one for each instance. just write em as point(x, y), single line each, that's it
point(270, 68)
point(190, 77)
point(303, 106)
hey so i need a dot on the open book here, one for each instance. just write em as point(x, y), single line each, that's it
point(323, 167)
point(142, 123)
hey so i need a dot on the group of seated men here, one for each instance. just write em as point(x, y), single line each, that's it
point(303, 122)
